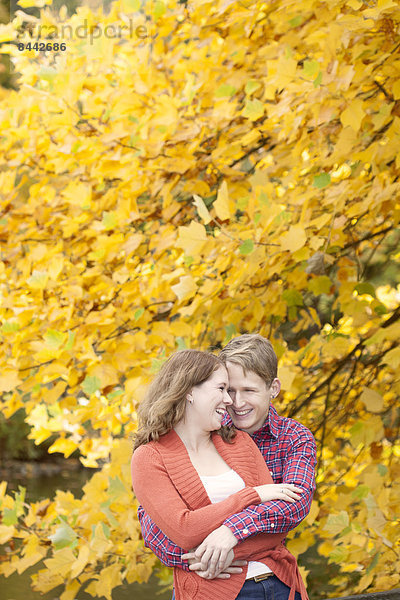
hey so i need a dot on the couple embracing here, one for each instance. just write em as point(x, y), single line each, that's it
point(220, 476)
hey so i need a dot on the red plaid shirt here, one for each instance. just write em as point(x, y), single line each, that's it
point(289, 450)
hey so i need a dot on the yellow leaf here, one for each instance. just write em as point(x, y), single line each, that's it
point(396, 90)
point(9, 380)
point(6, 533)
point(185, 289)
point(253, 110)
point(192, 238)
point(222, 205)
point(286, 376)
point(372, 400)
point(55, 267)
point(78, 194)
point(61, 562)
point(312, 515)
point(297, 546)
point(38, 280)
point(64, 445)
point(99, 543)
point(109, 578)
point(353, 115)
point(294, 239)
point(36, 3)
point(392, 358)
point(132, 243)
point(81, 561)
point(201, 209)
point(71, 590)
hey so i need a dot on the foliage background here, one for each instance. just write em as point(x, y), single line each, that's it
point(236, 171)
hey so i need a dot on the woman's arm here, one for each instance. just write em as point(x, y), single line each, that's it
point(161, 500)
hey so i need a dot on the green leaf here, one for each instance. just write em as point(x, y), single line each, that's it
point(292, 298)
point(64, 536)
point(296, 21)
point(156, 364)
point(47, 73)
point(322, 180)
point(54, 339)
point(318, 80)
point(158, 10)
point(116, 488)
point(253, 110)
point(339, 555)
point(38, 280)
point(91, 384)
point(225, 90)
point(181, 343)
point(109, 220)
point(9, 327)
point(336, 523)
point(133, 5)
point(311, 68)
point(10, 516)
point(138, 313)
point(263, 199)
point(247, 247)
point(71, 340)
point(115, 394)
point(251, 86)
point(382, 470)
point(365, 288)
point(320, 285)
point(76, 146)
point(361, 492)
point(105, 509)
point(230, 331)
point(373, 563)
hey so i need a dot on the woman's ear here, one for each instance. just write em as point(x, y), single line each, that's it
point(275, 387)
point(189, 398)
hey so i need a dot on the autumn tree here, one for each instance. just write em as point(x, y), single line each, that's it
point(229, 167)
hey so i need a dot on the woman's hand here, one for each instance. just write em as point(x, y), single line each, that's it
point(214, 555)
point(231, 566)
point(278, 491)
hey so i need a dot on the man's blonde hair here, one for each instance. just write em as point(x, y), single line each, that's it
point(254, 353)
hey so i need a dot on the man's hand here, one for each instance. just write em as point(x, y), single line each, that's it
point(214, 555)
point(234, 566)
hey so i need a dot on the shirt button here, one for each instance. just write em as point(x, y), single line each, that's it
point(272, 524)
point(245, 531)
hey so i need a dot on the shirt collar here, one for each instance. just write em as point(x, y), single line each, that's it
point(271, 425)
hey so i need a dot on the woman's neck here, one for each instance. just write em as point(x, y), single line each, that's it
point(195, 440)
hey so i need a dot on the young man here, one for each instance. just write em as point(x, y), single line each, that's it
point(289, 451)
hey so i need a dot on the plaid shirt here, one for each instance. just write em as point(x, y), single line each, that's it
point(289, 451)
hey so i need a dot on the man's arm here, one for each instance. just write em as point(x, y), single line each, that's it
point(168, 552)
point(277, 516)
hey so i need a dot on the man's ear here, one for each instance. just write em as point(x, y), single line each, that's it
point(275, 387)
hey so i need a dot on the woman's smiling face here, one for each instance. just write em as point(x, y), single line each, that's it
point(210, 400)
point(250, 398)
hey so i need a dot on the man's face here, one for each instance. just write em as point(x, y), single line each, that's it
point(251, 398)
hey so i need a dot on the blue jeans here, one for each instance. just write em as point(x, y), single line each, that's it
point(268, 589)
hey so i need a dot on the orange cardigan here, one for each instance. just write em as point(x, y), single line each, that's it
point(170, 490)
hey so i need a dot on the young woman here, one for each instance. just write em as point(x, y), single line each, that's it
point(190, 474)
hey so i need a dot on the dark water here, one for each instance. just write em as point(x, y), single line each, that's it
point(17, 587)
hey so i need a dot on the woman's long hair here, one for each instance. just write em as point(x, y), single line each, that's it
point(165, 402)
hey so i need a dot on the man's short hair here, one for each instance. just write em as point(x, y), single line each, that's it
point(254, 353)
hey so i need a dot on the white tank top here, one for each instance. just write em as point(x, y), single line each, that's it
point(219, 487)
